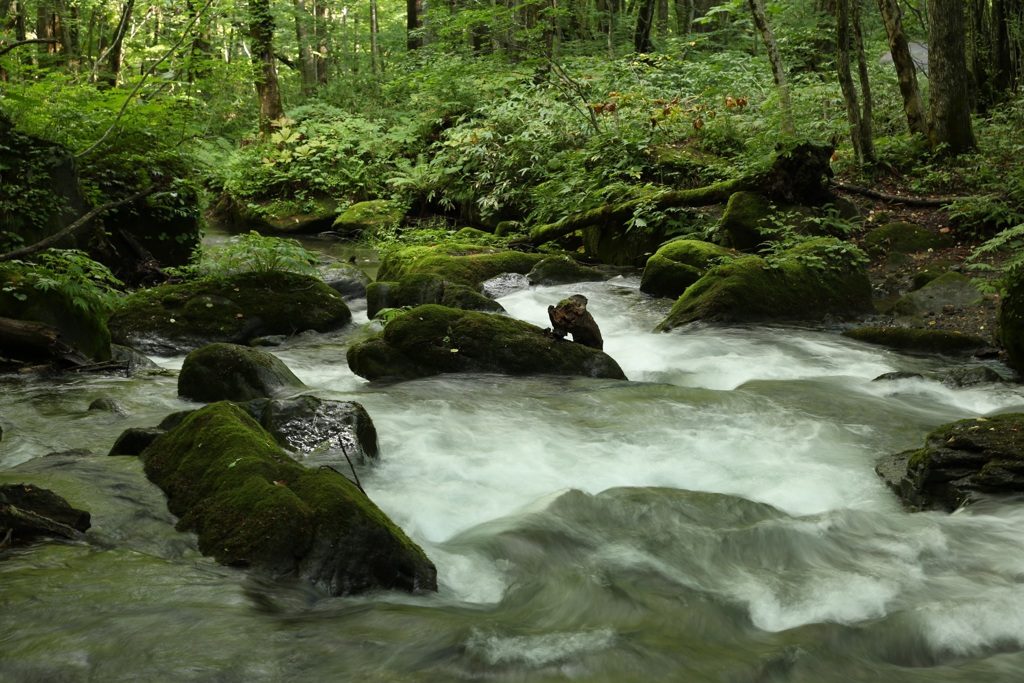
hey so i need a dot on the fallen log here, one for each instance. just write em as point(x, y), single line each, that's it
point(27, 512)
point(29, 340)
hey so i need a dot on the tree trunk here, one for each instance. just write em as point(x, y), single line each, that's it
point(661, 18)
point(261, 30)
point(374, 30)
point(847, 38)
point(684, 16)
point(113, 61)
point(949, 111)
point(320, 32)
point(307, 63)
point(906, 72)
point(867, 133)
point(778, 73)
point(413, 11)
point(642, 35)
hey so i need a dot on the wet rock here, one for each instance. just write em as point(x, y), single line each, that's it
point(172, 319)
point(134, 440)
point(235, 373)
point(346, 279)
point(105, 404)
point(679, 264)
point(571, 316)
point(894, 376)
point(307, 424)
point(28, 512)
point(959, 462)
point(968, 377)
point(133, 360)
point(252, 506)
point(431, 340)
point(817, 279)
point(503, 284)
point(563, 270)
point(919, 340)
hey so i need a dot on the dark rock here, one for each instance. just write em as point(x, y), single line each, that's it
point(172, 319)
point(817, 279)
point(967, 377)
point(134, 440)
point(269, 341)
point(27, 512)
point(253, 506)
point(893, 376)
point(959, 462)
point(346, 279)
point(133, 360)
point(431, 340)
point(919, 340)
point(307, 424)
point(105, 404)
point(235, 373)
point(504, 284)
point(562, 270)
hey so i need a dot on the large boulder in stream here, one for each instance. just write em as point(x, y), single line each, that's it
point(253, 506)
point(959, 462)
point(230, 372)
point(172, 319)
point(678, 264)
point(417, 289)
point(431, 340)
point(817, 279)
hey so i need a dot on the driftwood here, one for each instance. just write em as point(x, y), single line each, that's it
point(27, 512)
point(895, 198)
point(28, 340)
point(571, 316)
point(797, 176)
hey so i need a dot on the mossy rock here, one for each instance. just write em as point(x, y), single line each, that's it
point(919, 340)
point(416, 289)
point(172, 319)
point(473, 235)
point(368, 217)
point(253, 506)
point(819, 278)
point(431, 340)
point(903, 238)
point(459, 263)
point(272, 216)
point(949, 289)
point(679, 264)
point(346, 279)
point(230, 372)
point(85, 330)
point(745, 221)
point(1011, 320)
point(563, 270)
point(960, 462)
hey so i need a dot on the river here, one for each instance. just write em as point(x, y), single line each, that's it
point(715, 518)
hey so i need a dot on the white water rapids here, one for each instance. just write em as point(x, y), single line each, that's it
point(715, 518)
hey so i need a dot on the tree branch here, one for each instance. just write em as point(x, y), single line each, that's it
point(72, 229)
point(895, 198)
point(7, 48)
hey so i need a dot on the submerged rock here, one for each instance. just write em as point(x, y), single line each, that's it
point(231, 372)
point(819, 278)
point(172, 319)
point(28, 512)
point(431, 340)
point(251, 505)
point(920, 340)
point(959, 462)
point(680, 263)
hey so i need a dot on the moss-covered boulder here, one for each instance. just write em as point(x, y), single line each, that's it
point(84, 328)
point(431, 340)
point(563, 270)
point(1011, 320)
point(819, 278)
point(745, 222)
point(172, 319)
point(678, 264)
point(959, 462)
point(460, 263)
point(416, 289)
point(252, 506)
point(920, 340)
point(230, 372)
point(275, 217)
point(368, 217)
point(904, 238)
point(947, 290)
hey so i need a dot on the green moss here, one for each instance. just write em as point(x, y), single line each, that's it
point(678, 264)
point(232, 372)
point(745, 221)
point(236, 309)
point(430, 340)
point(370, 216)
point(904, 238)
point(461, 263)
point(252, 505)
point(818, 278)
point(916, 339)
point(423, 288)
point(562, 270)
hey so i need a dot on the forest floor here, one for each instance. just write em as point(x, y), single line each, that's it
point(893, 275)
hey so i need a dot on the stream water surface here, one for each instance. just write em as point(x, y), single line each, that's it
point(715, 518)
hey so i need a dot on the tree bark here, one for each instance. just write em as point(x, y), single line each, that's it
point(778, 72)
point(867, 133)
point(642, 35)
point(413, 10)
point(949, 111)
point(847, 20)
point(906, 72)
point(261, 30)
point(307, 61)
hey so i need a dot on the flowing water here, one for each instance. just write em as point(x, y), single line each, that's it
point(715, 518)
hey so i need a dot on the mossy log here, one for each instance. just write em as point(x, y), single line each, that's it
point(717, 193)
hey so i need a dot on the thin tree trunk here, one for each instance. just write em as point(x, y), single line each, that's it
point(113, 54)
point(661, 18)
point(949, 111)
point(867, 133)
point(413, 10)
point(261, 29)
point(374, 30)
point(906, 72)
point(642, 35)
point(844, 42)
point(775, 59)
point(306, 59)
point(320, 32)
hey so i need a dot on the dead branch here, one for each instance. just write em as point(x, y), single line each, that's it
point(894, 198)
